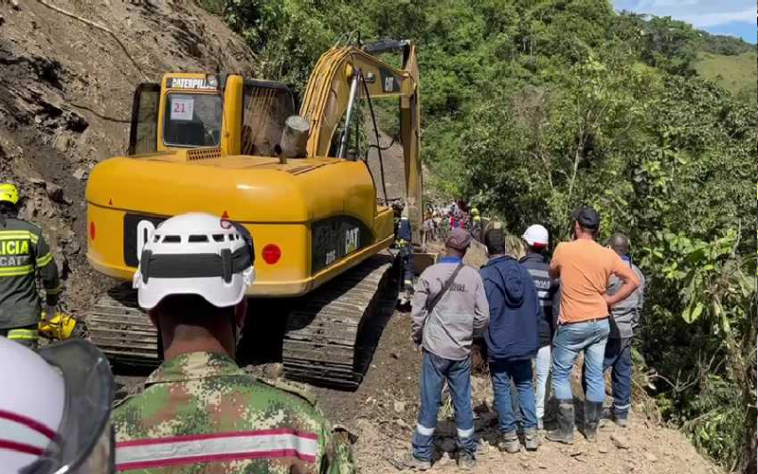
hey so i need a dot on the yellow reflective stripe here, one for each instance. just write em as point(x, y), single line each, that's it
point(16, 271)
point(42, 261)
point(23, 334)
point(54, 291)
point(18, 234)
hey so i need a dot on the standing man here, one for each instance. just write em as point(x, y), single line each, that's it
point(199, 412)
point(625, 317)
point(585, 268)
point(449, 310)
point(537, 239)
point(512, 339)
point(404, 244)
point(23, 253)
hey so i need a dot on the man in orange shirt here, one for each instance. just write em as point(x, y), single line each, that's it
point(584, 267)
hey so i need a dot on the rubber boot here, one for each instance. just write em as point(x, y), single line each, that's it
point(565, 432)
point(531, 440)
point(592, 413)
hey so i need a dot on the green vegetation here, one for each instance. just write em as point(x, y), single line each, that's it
point(533, 108)
point(735, 73)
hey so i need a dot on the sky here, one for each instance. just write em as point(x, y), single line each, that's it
point(724, 17)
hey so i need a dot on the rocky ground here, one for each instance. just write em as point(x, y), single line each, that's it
point(382, 414)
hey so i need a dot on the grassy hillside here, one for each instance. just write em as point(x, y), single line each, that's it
point(735, 73)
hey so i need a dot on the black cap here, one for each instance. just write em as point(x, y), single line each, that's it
point(587, 217)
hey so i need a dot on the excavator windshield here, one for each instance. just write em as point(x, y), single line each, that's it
point(192, 120)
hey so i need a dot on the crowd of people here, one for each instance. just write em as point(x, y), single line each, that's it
point(533, 314)
point(199, 408)
point(440, 220)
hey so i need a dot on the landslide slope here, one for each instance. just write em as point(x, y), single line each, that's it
point(65, 100)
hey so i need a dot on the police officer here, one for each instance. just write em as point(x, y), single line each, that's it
point(199, 412)
point(404, 243)
point(23, 253)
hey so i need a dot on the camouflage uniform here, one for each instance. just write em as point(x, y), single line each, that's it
point(201, 413)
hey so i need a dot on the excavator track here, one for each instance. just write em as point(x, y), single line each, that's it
point(122, 330)
point(321, 341)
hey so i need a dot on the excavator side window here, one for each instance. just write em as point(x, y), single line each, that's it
point(265, 108)
point(143, 134)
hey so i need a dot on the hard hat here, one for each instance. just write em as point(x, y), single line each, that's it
point(475, 211)
point(536, 236)
point(9, 193)
point(55, 409)
point(196, 254)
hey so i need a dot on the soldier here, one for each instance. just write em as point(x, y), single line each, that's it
point(199, 411)
point(23, 253)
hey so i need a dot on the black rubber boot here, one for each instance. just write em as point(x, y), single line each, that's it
point(565, 432)
point(592, 413)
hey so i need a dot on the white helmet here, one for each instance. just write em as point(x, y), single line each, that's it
point(55, 408)
point(536, 236)
point(196, 254)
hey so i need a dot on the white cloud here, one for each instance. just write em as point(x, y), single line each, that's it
point(715, 19)
point(701, 13)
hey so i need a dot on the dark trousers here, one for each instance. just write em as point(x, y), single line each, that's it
point(406, 260)
point(618, 359)
point(26, 335)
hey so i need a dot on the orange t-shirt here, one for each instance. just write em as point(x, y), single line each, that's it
point(585, 268)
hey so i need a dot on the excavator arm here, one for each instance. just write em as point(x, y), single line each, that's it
point(341, 77)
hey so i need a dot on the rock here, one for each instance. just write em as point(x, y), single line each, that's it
point(54, 192)
point(273, 371)
point(62, 143)
point(37, 181)
point(651, 457)
point(402, 424)
point(80, 174)
point(2, 20)
point(14, 4)
point(399, 407)
point(602, 449)
point(620, 441)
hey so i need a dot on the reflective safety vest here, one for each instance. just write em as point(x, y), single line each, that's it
point(23, 253)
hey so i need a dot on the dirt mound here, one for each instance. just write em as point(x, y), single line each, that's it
point(65, 100)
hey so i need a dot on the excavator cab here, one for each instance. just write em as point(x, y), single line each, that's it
point(223, 112)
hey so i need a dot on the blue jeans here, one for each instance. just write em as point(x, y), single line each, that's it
point(521, 372)
point(434, 372)
point(618, 358)
point(570, 340)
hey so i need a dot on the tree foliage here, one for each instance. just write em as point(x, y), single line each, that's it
point(533, 108)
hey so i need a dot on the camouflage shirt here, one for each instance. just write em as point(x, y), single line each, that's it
point(200, 413)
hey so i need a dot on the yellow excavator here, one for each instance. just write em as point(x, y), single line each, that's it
point(237, 148)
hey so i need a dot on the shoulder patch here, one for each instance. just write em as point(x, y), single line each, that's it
point(301, 390)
